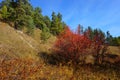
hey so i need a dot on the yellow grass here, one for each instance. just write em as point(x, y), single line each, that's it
point(114, 49)
point(17, 45)
point(13, 42)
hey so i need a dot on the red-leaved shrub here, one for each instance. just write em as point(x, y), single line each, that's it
point(71, 45)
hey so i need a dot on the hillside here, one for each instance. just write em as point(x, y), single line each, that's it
point(16, 44)
point(20, 49)
point(37, 46)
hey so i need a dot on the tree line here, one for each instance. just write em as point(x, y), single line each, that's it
point(21, 14)
point(109, 39)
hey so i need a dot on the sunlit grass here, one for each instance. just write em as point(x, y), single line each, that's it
point(21, 62)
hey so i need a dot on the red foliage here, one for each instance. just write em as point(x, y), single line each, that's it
point(17, 69)
point(98, 45)
point(70, 45)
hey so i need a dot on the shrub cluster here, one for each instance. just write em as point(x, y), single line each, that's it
point(71, 46)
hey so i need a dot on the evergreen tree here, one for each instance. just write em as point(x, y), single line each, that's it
point(29, 24)
point(109, 38)
point(114, 42)
point(47, 21)
point(60, 26)
point(12, 14)
point(21, 14)
point(56, 24)
point(4, 13)
point(5, 2)
point(45, 34)
point(38, 18)
point(53, 24)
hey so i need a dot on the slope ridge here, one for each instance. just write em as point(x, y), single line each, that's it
point(15, 43)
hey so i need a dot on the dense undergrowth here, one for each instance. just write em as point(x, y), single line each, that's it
point(31, 70)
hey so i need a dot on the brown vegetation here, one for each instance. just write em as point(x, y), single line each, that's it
point(13, 67)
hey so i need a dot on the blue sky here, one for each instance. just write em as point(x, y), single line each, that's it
point(103, 14)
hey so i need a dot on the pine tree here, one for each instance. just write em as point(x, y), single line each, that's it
point(29, 24)
point(56, 24)
point(45, 34)
point(47, 21)
point(4, 13)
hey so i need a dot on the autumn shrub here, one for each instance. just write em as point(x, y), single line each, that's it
point(72, 46)
point(98, 44)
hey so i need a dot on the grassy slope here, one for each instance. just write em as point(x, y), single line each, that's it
point(14, 44)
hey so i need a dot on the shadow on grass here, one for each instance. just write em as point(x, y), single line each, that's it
point(113, 70)
point(53, 59)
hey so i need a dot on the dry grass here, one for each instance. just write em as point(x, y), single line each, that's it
point(15, 43)
point(114, 49)
point(19, 60)
point(28, 69)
